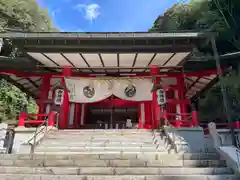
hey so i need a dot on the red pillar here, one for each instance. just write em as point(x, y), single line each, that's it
point(64, 109)
point(194, 115)
point(181, 96)
point(51, 119)
point(237, 125)
point(22, 117)
point(155, 107)
point(148, 115)
point(141, 115)
point(44, 90)
point(84, 114)
point(77, 117)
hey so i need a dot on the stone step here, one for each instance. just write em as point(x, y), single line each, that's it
point(112, 163)
point(81, 138)
point(111, 156)
point(113, 171)
point(201, 156)
point(115, 131)
point(117, 177)
point(94, 152)
point(109, 146)
point(97, 143)
point(99, 148)
point(98, 140)
point(139, 130)
point(76, 139)
point(105, 134)
point(106, 130)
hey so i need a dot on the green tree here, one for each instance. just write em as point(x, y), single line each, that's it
point(222, 16)
point(26, 16)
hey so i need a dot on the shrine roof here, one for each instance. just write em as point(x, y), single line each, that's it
point(104, 53)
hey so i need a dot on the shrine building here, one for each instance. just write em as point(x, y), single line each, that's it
point(101, 80)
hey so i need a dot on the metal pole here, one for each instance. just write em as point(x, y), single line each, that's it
point(223, 91)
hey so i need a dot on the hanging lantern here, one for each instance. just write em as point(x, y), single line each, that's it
point(156, 87)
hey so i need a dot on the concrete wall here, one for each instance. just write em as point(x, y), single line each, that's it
point(190, 140)
point(226, 136)
point(3, 126)
point(196, 141)
point(22, 135)
point(208, 144)
point(194, 137)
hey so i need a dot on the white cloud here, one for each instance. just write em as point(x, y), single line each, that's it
point(91, 11)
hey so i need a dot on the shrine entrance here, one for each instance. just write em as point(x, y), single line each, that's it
point(111, 113)
point(77, 74)
point(110, 117)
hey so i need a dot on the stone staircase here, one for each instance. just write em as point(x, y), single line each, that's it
point(110, 155)
point(105, 141)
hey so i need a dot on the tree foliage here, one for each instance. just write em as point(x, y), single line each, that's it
point(26, 16)
point(222, 16)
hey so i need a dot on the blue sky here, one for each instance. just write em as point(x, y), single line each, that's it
point(105, 15)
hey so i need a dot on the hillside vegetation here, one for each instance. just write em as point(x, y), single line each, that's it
point(222, 16)
point(26, 16)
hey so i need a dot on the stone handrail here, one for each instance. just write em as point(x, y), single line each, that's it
point(176, 141)
point(41, 131)
point(230, 153)
point(217, 140)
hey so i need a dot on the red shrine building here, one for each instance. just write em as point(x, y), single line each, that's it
point(90, 79)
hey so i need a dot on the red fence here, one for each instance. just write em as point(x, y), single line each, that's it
point(182, 120)
point(191, 120)
point(36, 119)
point(220, 126)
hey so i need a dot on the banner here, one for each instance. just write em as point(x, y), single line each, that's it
point(88, 90)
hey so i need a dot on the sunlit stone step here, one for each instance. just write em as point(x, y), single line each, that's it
point(100, 140)
point(77, 144)
point(112, 155)
point(113, 171)
point(117, 177)
point(111, 163)
point(98, 143)
point(98, 148)
point(98, 137)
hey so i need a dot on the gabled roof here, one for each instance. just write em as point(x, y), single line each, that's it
point(105, 53)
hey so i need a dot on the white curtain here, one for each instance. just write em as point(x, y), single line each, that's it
point(76, 86)
point(143, 89)
point(107, 87)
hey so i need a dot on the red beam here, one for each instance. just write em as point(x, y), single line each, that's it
point(115, 103)
point(33, 121)
point(177, 101)
point(56, 75)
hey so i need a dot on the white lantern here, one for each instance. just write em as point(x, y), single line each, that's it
point(59, 95)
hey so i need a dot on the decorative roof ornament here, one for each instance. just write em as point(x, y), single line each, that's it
point(88, 91)
point(130, 90)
